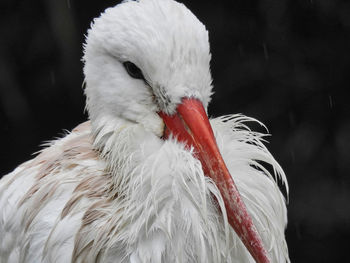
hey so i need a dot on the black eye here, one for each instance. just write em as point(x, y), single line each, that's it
point(133, 70)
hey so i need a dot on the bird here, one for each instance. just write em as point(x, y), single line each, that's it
point(148, 177)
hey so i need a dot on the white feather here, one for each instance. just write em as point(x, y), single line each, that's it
point(112, 190)
point(159, 205)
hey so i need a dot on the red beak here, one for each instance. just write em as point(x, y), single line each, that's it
point(190, 125)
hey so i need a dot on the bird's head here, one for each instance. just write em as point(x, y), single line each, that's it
point(143, 57)
point(148, 62)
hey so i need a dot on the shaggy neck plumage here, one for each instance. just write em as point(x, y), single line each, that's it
point(166, 199)
point(167, 202)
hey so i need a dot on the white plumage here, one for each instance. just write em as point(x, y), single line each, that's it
point(113, 190)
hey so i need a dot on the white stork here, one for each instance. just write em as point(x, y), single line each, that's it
point(148, 177)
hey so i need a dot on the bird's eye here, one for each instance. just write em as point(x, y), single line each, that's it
point(133, 70)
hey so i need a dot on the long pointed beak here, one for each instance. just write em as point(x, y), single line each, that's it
point(190, 125)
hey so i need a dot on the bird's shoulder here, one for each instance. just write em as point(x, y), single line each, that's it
point(36, 198)
point(73, 150)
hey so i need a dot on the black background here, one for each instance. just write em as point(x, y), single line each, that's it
point(284, 62)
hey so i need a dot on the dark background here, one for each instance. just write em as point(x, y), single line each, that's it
point(283, 62)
